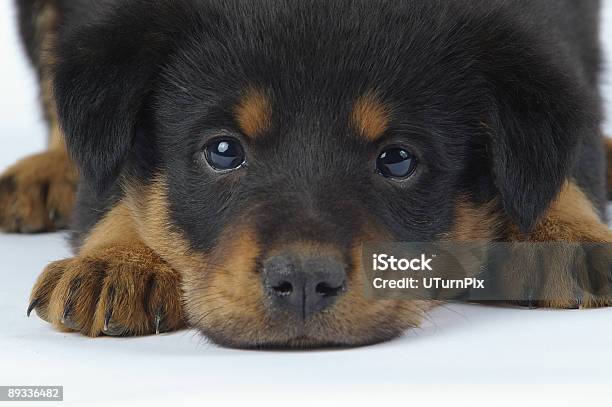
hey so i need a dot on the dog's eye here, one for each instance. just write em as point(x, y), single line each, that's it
point(225, 154)
point(396, 162)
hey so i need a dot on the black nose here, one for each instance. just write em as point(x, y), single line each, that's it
point(303, 284)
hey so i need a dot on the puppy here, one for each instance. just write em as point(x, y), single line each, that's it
point(234, 156)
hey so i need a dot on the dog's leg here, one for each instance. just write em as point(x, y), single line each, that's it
point(116, 285)
point(571, 219)
point(37, 193)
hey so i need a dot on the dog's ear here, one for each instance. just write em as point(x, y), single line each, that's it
point(539, 112)
point(104, 71)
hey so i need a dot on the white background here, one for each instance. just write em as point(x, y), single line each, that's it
point(464, 355)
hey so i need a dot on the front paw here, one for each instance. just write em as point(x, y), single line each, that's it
point(37, 194)
point(560, 275)
point(121, 291)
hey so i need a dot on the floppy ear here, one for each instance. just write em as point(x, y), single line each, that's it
point(539, 113)
point(104, 71)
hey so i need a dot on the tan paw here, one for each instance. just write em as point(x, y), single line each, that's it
point(561, 275)
point(37, 194)
point(120, 291)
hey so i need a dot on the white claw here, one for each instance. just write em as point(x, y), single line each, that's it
point(157, 323)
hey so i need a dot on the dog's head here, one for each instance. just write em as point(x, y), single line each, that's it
point(261, 143)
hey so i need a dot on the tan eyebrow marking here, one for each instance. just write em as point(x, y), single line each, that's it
point(370, 116)
point(254, 113)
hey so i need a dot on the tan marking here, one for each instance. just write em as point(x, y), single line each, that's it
point(228, 295)
point(370, 117)
point(571, 217)
point(56, 138)
point(476, 223)
point(254, 113)
point(143, 215)
point(150, 213)
point(47, 22)
point(117, 227)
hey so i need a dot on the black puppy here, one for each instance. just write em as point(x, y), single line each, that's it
point(234, 155)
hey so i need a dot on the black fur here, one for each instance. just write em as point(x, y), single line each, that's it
point(496, 98)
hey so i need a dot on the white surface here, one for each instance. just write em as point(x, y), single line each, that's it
point(465, 355)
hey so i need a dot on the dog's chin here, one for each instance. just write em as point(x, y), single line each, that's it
point(351, 322)
point(343, 327)
point(266, 340)
point(295, 343)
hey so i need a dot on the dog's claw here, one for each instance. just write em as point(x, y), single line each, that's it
point(33, 305)
point(67, 321)
point(107, 317)
point(157, 323)
point(529, 304)
point(579, 300)
point(112, 329)
point(66, 313)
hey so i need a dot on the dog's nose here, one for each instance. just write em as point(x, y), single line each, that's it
point(303, 284)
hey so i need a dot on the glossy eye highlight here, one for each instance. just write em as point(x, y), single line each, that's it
point(225, 154)
point(396, 162)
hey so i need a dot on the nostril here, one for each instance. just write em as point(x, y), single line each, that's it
point(283, 289)
point(326, 290)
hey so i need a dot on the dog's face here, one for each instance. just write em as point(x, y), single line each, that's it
point(263, 148)
point(279, 183)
